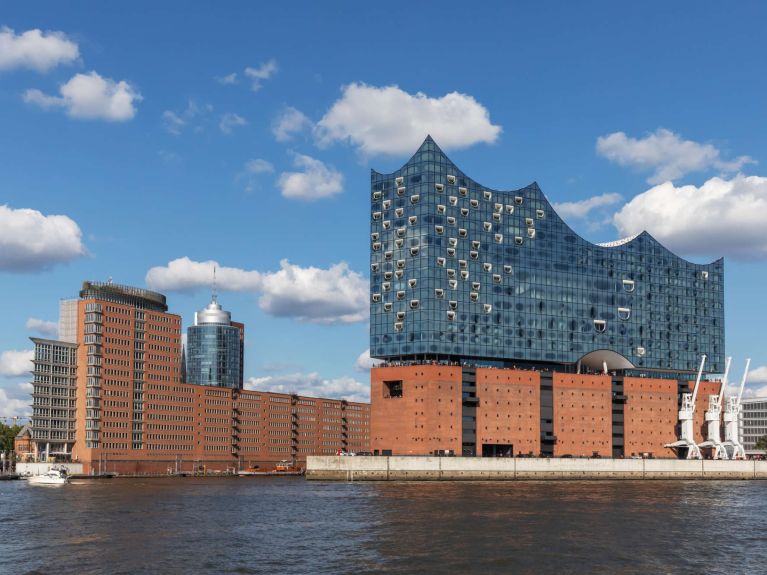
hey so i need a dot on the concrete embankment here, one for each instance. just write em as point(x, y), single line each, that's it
point(393, 468)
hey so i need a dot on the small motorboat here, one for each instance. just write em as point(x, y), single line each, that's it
point(282, 468)
point(54, 476)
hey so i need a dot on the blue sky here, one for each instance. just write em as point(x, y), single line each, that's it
point(170, 135)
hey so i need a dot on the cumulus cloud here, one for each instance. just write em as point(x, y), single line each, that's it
point(316, 295)
point(35, 49)
point(313, 385)
point(186, 275)
point(263, 72)
point(16, 363)
point(758, 375)
point(12, 407)
point(230, 121)
point(290, 122)
point(47, 328)
point(333, 295)
point(666, 154)
point(720, 218)
point(388, 120)
point(583, 208)
point(91, 97)
point(316, 181)
point(31, 241)
point(365, 362)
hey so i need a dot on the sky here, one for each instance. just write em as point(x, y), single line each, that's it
point(149, 142)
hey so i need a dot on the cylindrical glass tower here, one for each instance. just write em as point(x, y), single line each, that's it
point(213, 349)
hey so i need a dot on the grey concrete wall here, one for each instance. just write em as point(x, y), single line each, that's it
point(343, 468)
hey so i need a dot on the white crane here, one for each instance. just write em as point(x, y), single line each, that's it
point(732, 440)
point(713, 419)
point(686, 415)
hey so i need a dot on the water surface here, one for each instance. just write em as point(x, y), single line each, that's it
point(289, 525)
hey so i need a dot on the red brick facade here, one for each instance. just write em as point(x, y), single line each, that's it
point(651, 413)
point(510, 410)
point(582, 414)
point(426, 416)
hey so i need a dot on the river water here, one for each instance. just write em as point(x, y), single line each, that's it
point(289, 525)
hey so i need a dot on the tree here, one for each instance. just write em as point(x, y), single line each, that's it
point(761, 443)
point(7, 434)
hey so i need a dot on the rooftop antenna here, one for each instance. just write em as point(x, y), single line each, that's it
point(214, 291)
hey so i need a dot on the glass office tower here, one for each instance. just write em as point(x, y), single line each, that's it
point(214, 348)
point(463, 272)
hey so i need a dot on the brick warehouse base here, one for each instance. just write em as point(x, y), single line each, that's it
point(426, 409)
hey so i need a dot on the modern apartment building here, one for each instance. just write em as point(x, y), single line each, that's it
point(487, 302)
point(215, 348)
point(54, 381)
point(753, 421)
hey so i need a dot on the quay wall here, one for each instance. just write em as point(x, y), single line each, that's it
point(24, 469)
point(426, 468)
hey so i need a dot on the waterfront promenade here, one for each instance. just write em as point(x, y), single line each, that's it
point(416, 468)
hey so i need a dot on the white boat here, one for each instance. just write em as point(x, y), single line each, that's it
point(52, 477)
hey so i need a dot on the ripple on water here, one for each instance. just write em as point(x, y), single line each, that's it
point(290, 525)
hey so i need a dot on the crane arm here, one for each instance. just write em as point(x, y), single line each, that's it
point(724, 379)
point(697, 381)
point(743, 381)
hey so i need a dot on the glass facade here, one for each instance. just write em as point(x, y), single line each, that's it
point(214, 349)
point(462, 271)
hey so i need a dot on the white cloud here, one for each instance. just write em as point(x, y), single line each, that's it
point(582, 208)
point(230, 121)
point(389, 120)
point(30, 240)
point(41, 326)
point(720, 218)
point(365, 362)
point(176, 122)
point(333, 295)
point(184, 275)
point(91, 97)
point(173, 122)
point(258, 166)
point(228, 80)
point(315, 295)
point(263, 72)
point(10, 407)
point(16, 363)
point(290, 122)
point(311, 384)
point(315, 182)
point(666, 153)
point(35, 49)
point(757, 375)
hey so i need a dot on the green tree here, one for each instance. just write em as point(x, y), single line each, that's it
point(761, 443)
point(7, 434)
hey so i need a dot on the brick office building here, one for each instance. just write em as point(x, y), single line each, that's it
point(504, 332)
point(128, 411)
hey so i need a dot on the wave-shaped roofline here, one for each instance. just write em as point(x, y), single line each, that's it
point(534, 185)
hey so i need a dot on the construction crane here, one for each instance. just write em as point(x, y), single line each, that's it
point(732, 440)
point(686, 426)
point(713, 419)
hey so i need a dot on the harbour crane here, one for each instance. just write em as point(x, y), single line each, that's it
point(686, 415)
point(713, 419)
point(732, 440)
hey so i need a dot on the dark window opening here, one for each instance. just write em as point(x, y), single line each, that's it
point(393, 388)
